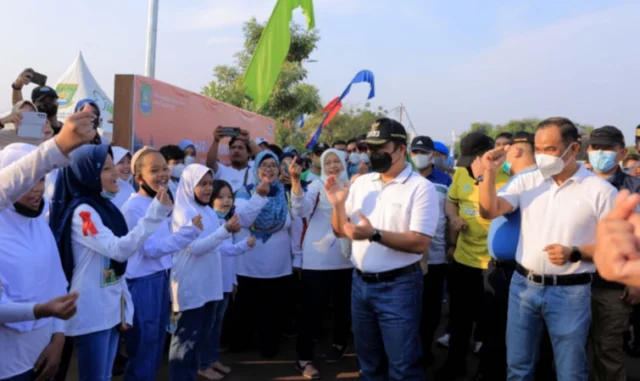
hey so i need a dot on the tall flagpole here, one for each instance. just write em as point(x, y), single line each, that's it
point(152, 32)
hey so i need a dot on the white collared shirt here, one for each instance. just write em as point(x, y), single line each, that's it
point(407, 203)
point(566, 214)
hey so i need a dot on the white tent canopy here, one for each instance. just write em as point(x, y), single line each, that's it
point(78, 83)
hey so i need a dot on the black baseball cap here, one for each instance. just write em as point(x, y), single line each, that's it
point(523, 137)
point(41, 92)
point(473, 145)
point(422, 143)
point(384, 130)
point(606, 136)
point(320, 147)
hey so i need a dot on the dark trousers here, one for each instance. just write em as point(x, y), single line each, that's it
point(493, 356)
point(431, 305)
point(609, 321)
point(467, 306)
point(319, 287)
point(26, 376)
point(65, 359)
point(259, 307)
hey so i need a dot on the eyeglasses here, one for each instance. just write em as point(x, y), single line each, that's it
point(268, 166)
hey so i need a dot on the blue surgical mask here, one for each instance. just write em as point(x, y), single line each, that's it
point(506, 167)
point(602, 161)
point(222, 214)
point(108, 195)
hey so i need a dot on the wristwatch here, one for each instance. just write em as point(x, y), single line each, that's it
point(13, 86)
point(479, 179)
point(376, 236)
point(575, 256)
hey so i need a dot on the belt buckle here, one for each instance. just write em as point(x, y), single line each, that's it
point(530, 276)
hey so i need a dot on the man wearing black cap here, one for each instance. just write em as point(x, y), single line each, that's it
point(390, 216)
point(468, 234)
point(434, 264)
point(610, 302)
point(44, 97)
point(315, 172)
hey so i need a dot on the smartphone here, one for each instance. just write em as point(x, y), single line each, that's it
point(31, 125)
point(232, 132)
point(39, 79)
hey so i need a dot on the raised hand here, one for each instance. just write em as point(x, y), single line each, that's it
point(336, 194)
point(62, 307)
point(363, 230)
point(233, 225)
point(163, 196)
point(264, 187)
point(244, 135)
point(24, 78)
point(15, 118)
point(76, 131)
point(251, 241)
point(493, 159)
point(617, 254)
point(197, 221)
point(217, 134)
point(295, 170)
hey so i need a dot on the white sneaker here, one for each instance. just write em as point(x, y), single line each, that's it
point(477, 347)
point(443, 341)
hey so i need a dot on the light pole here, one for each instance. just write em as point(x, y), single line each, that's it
point(152, 32)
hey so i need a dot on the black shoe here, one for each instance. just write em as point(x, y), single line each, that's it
point(450, 373)
point(336, 354)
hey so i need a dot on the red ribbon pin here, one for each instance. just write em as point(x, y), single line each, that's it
point(87, 225)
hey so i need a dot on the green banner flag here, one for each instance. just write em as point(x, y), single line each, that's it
point(272, 49)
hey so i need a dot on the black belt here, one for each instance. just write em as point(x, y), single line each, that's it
point(554, 280)
point(507, 264)
point(387, 276)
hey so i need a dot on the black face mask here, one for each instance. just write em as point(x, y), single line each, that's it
point(28, 212)
point(51, 109)
point(151, 193)
point(381, 161)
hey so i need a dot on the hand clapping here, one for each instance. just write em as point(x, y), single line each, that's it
point(336, 194)
point(233, 225)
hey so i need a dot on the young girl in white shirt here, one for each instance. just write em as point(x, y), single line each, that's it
point(94, 243)
point(30, 273)
point(148, 270)
point(122, 158)
point(196, 276)
point(223, 205)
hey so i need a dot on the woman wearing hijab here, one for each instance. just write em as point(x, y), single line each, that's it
point(94, 243)
point(196, 276)
point(122, 158)
point(30, 273)
point(189, 149)
point(148, 270)
point(326, 269)
point(264, 271)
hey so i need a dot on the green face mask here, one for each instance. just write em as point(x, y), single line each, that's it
point(506, 167)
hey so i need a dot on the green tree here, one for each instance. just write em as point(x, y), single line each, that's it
point(291, 97)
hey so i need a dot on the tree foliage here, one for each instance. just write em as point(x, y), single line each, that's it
point(290, 98)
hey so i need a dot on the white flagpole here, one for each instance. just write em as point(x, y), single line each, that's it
point(152, 32)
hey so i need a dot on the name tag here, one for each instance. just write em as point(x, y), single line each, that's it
point(470, 212)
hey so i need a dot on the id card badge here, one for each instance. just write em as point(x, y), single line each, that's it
point(31, 125)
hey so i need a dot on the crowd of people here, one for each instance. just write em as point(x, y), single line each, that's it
point(105, 251)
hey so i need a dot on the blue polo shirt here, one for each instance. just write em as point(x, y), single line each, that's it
point(504, 231)
point(439, 177)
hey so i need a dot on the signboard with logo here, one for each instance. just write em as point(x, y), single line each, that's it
point(154, 113)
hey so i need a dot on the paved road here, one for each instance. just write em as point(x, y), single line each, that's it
point(250, 366)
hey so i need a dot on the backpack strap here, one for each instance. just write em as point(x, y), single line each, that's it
point(306, 222)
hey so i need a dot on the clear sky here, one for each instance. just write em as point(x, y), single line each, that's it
point(449, 62)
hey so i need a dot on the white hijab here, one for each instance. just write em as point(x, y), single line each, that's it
point(30, 267)
point(324, 206)
point(186, 207)
point(126, 189)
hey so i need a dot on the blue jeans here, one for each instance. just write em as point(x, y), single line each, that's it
point(96, 353)
point(566, 310)
point(386, 327)
point(145, 339)
point(187, 343)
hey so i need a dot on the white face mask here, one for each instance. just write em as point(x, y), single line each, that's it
point(422, 161)
point(189, 160)
point(176, 170)
point(364, 157)
point(354, 158)
point(550, 165)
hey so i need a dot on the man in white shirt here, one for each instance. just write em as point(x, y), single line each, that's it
point(241, 148)
point(390, 216)
point(560, 206)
